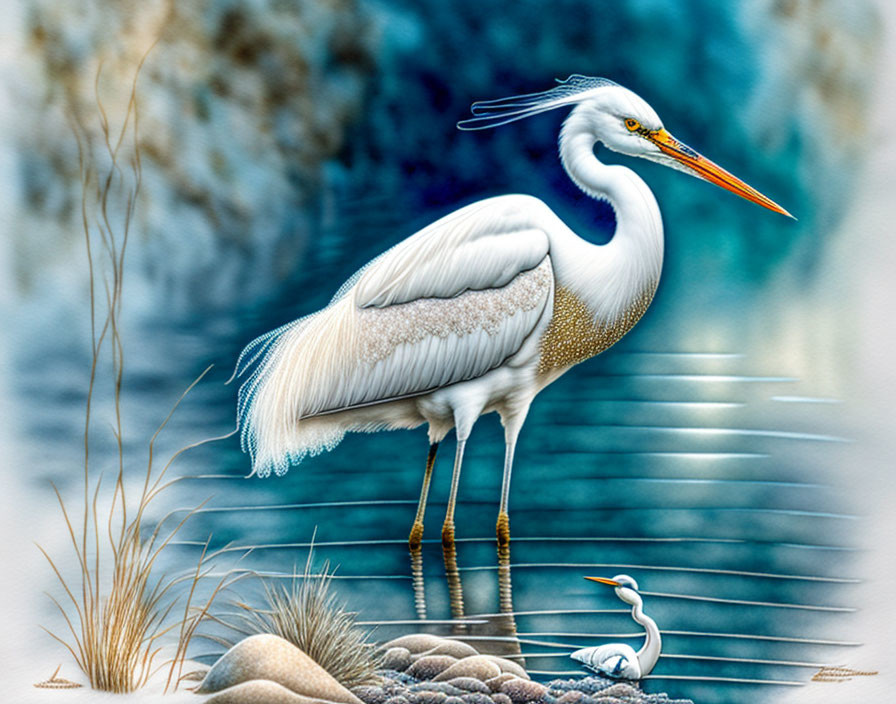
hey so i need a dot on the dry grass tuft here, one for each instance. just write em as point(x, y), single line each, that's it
point(118, 613)
point(307, 614)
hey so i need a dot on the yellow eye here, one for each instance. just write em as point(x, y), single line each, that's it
point(632, 124)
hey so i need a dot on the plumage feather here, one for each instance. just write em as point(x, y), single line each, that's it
point(446, 305)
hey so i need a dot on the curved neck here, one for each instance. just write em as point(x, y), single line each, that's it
point(650, 651)
point(635, 253)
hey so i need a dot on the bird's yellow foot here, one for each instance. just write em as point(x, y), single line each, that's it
point(503, 530)
point(447, 537)
point(416, 537)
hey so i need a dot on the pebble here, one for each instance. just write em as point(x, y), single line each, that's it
point(494, 684)
point(398, 699)
point(521, 691)
point(443, 687)
point(371, 695)
point(500, 698)
point(509, 666)
point(269, 657)
point(620, 690)
point(454, 700)
point(430, 666)
point(477, 698)
point(397, 658)
point(571, 697)
point(454, 648)
point(427, 697)
point(469, 684)
point(480, 667)
point(416, 643)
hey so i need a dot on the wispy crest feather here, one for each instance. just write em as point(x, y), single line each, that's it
point(494, 113)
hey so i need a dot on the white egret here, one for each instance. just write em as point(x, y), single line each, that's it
point(619, 660)
point(480, 310)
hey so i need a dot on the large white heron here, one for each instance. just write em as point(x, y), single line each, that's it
point(480, 310)
point(619, 660)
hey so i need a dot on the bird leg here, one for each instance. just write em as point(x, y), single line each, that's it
point(449, 552)
point(502, 527)
point(416, 537)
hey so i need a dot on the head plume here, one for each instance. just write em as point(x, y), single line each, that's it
point(494, 113)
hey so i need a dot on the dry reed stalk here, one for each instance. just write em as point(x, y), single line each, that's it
point(121, 612)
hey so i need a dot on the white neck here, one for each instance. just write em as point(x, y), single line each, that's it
point(631, 262)
point(650, 651)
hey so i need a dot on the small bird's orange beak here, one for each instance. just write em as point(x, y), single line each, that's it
point(608, 582)
point(710, 171)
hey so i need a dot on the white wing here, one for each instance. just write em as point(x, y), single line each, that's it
point(445, 305)
point(482, 246)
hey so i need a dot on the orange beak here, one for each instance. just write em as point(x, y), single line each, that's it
point(710, 171)
point(608, 582)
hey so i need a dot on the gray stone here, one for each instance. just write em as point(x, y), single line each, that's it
point(415, 643)
point(397, 658)
point(494, 684)
point(477, 698)
point(269, 657)
point(480, 667)
point(426, 697)
point(571, 697)
point(509, 666)
point(454, 648)
point(429, 666)
point(521, 691)
point(470, 684)
point(443, 687)
point(370, 694)
point(454, 700)
point(620, 690)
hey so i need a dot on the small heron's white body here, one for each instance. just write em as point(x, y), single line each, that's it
point(618, 660)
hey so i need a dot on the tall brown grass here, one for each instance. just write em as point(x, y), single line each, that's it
point(118, 613)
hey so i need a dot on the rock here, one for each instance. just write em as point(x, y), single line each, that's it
point(469, 684)
point(477, 698)
point(429, 666)
point(427, 697)
point(620, 689)
point(501, 698)
point(370, 694)
point(509, 666)
point(415, 643)
point(571, 697)
point(454, 700)
point(397, 658)
point(494, 684)
point(259, 692)
point(478, 666)
point(454, 648)
point(398, 699)
point(269, 657)
point(520, 690)
point(443, 687)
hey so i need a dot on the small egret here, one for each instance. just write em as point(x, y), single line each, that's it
point(480, 310)
point(619, 660)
